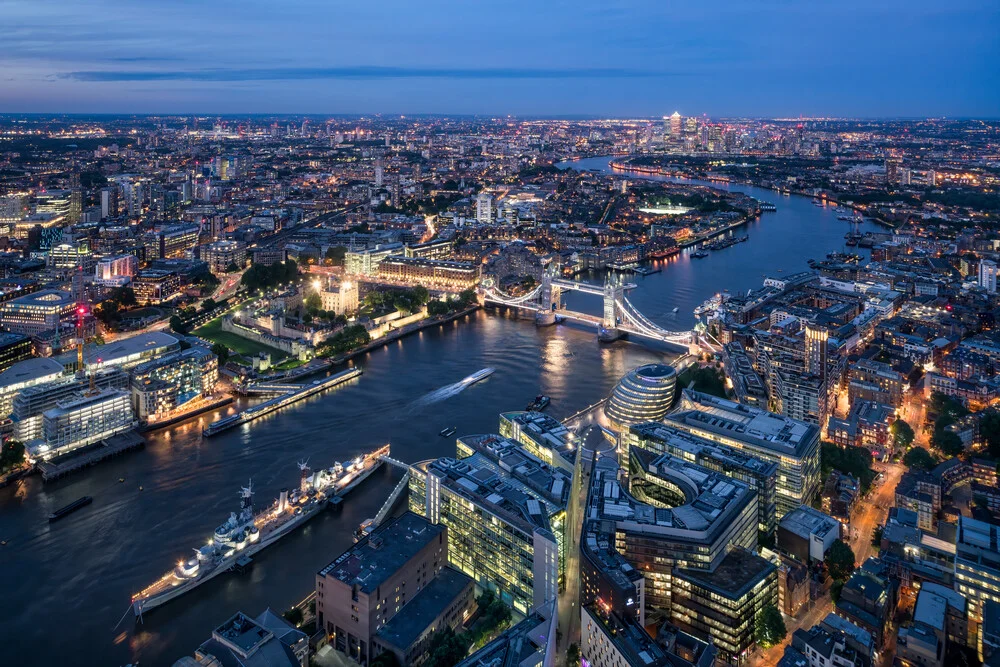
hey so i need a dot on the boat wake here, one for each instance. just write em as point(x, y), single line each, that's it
point(451, 390)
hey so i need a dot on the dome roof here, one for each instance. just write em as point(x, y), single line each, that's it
point(643, 394)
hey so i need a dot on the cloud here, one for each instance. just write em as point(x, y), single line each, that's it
point(362, 72)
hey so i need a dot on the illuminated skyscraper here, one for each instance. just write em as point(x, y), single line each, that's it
point(816, 348)
point(484, 209)
point(675, 124)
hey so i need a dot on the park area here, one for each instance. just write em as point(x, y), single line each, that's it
point(213, 331)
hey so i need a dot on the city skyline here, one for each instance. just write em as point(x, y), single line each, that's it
point(912, 60)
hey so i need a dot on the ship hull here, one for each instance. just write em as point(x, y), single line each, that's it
point(145, 605)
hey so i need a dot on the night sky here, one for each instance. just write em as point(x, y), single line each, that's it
point(580, 58)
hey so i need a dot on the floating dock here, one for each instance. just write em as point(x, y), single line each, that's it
point(282, 401)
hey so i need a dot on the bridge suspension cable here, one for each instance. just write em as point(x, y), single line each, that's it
point(496, 294)
point(646, 326)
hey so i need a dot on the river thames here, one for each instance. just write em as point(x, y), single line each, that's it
point(66, 585)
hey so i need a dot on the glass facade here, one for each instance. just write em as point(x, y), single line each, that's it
point(492, 538)
point(643, 394)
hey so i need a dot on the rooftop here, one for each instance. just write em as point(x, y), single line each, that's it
point(738, 572)
point(510, 493)
point(30, 370)
point(383, 553)
point(679, 440)
point(753, 426)
point(44, 298)
point(805, 521)
point(420, 612)
point(123, 348)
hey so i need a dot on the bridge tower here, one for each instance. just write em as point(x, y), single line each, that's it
point(549, 300)
point(613, 294)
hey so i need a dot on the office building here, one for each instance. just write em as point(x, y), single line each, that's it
point(724, 603)
point(82, 421)
point(37, 312)
point(792, 444)
point(13, 208)
point(14, 348)
point(643, 394)
point(681, 530)
point(366, 262)
point(223, 255)
point(806, 534)
point(505, 524)
point(386, 576)
point(988, 275)
point(25, 374)
point(439, 274)
point(610, 640)
point(160, 386)
point(153, 286)
point(172, 241)
point(977, 564)
point(55, 202)
point(542, 436)
point(436, 249)
point(116, 266)
point(265, 641)
point(758, 474)
point(484, 208)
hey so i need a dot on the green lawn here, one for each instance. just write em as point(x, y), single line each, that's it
point(213, 331)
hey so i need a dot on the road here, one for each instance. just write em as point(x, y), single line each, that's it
point(869, 513)
point(569, 600)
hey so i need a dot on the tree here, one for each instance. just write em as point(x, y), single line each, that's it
point(839, 560)
point(989, 429)
point(769, 627)
point(124, 296)
point(314, 302)
point(208, 305)
point(11, 454)
point(948, 442)
point(178, 325)
point(573, 655)
point(919, 458)
point(222, 352)
point(232, 267)
point(385, 659)
point(293, 615)
point(446, 648)
point(902, 434)
point(335, 255)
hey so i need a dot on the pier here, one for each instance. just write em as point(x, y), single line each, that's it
point(89, 455)
point(267, 407)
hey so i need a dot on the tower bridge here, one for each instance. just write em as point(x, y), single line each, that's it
point(620, 317)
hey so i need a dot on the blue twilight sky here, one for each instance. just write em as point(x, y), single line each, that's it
point(538, 57)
